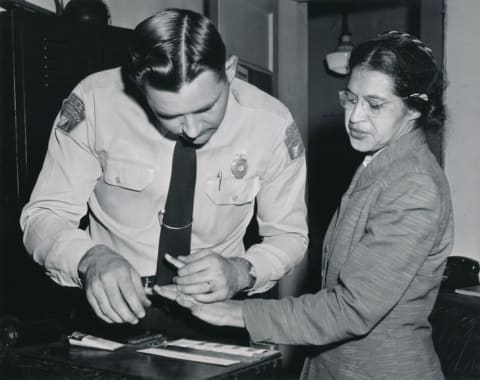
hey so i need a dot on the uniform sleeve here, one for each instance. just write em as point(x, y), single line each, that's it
point(399, 237)
point(281, 212)
point(59, 199)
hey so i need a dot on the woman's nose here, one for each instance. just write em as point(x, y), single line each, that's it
point(358, 112)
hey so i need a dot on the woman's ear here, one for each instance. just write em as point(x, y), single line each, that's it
point(413, 114)
point(231, 67)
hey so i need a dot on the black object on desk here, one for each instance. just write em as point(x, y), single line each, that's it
point(460, 272)
point(455, 323)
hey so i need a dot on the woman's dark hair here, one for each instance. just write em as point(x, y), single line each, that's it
point(172, 48)
point(411, 65)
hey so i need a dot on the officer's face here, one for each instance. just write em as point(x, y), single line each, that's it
point(195, 111)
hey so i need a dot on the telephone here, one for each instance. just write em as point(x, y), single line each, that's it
point(460, 272)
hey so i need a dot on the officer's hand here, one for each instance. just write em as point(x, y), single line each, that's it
point(113, 287)
point(228, 313)
point(210, 277)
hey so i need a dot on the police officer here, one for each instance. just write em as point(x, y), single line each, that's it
point(110, 154)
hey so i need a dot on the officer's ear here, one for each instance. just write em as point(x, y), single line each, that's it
point(231, 67)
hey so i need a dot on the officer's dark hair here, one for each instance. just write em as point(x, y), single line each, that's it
point(174, 47)
point(415, 75)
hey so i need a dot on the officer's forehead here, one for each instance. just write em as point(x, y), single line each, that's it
point(202, 92)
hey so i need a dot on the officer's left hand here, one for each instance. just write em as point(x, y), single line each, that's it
point(210, 277)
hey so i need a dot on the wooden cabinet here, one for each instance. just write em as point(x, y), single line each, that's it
point(42, 57)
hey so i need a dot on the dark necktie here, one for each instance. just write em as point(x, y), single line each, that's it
point(176, 227)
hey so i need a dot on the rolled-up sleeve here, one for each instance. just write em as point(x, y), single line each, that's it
point(51, 218)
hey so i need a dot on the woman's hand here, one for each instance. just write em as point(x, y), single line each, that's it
point(227, 313)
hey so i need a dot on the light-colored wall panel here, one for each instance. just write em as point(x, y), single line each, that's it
point(247, 29)
point(462, 155)
point(48, 4)
point(128, 13)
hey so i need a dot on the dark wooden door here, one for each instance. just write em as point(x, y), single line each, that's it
point(43, 58)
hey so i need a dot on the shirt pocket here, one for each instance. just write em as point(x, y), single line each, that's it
point(128, 175)
point(232, 191)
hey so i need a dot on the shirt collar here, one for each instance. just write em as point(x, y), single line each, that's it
point(369, 157)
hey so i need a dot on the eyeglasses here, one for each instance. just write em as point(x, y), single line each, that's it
point(372, 107)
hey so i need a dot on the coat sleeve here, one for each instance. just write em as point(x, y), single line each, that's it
point(59, 199)
point(399, 236)
point(281, 212)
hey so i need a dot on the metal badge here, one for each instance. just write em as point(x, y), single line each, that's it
point(239, 166)
point(72, 113)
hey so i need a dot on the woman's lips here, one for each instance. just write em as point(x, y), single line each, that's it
point(356, 133)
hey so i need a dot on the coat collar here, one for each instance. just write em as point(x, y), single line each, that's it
point(403, 148)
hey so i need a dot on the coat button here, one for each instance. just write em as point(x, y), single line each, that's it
point(235, 197)
point(117, 179)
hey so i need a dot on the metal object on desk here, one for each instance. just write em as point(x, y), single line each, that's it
point(9, 331)
point(15, 333)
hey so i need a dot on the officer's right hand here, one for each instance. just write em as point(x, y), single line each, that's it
point(113, 287)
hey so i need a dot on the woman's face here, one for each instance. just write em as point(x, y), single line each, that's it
point(374, 115)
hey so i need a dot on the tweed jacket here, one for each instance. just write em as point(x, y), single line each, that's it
point(383, 259)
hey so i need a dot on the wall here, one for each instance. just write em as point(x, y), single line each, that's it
point(48, 4)
point(253, 44)
point(128, 13)
point(462, 158)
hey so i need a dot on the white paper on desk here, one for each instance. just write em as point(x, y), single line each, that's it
point(218, 347)
point(188, 356)
point(83, 340)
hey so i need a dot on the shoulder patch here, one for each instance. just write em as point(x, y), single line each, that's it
point(294, 142)
point(72, 113)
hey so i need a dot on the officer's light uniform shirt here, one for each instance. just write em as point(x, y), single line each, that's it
point(104, 152)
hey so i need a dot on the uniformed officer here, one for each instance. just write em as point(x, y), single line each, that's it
point(110, 155)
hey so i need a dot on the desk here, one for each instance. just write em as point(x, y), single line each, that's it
point(58, 360)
